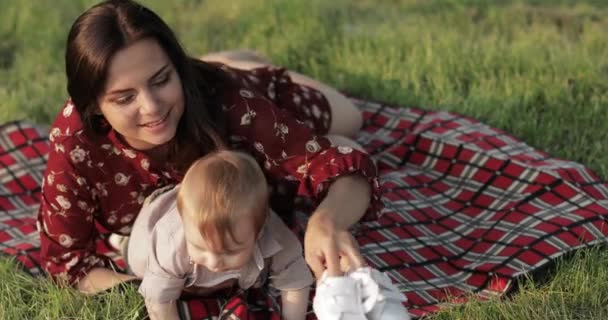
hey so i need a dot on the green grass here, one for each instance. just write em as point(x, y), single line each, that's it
point(536, 69)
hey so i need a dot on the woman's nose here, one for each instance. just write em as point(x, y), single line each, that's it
point(149, 103)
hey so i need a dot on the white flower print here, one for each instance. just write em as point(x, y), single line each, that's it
point(312, 146)
point(246, 93)
point(112, 219)
point(67, 111)
point(303, 169)
point(81, 181)
point(297, 99)
point(63, 202)
point(59, 148)
point(50, 178)
point(66, 240)
point(284, 154)
point(102, 189)
point(259, 147)
point(291, 178)
point(72, 262)
point(271, 91)
point(83, 205)
point(345, 150)
point(281, 130)
point(91, 260)
point(145, 164)
point(267, 165)
point(62, 188)
point(127, 218)
point(125, 230)
point(106, 146)
point(54, 133)
point(129, 153)
point(141, 199)
point(253, 78)
point(247, 117)
point(78, 154)
point(121, 179)
point(316, 111)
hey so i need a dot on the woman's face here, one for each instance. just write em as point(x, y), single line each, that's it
point(143, 98)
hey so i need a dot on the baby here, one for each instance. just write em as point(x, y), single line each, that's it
point(216, 231)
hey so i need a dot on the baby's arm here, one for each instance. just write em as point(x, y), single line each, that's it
point(162, 311)
point(295, 303)
point(288, 270)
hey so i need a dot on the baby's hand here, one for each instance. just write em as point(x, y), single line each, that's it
point(294, 303)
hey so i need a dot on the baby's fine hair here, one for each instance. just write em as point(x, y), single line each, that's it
point(220, 189)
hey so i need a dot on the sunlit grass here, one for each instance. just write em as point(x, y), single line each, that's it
point(536, 69)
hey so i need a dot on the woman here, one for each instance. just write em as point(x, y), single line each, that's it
point(141, 111)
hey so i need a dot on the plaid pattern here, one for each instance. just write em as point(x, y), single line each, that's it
point(468, 208)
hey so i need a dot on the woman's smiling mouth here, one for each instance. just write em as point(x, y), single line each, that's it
point(156, 123)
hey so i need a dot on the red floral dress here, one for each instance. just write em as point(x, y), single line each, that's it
point(97, 185)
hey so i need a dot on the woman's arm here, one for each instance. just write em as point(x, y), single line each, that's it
point(100, 279)
point(327, 241)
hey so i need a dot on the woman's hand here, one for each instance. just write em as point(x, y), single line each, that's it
point(328, 244)
point(331, 248)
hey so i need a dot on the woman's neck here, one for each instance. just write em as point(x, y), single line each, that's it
point(158, 155)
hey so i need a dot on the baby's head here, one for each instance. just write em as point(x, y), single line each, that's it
point(223, 202)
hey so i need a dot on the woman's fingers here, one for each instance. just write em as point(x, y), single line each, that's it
point(325, 258)
point(332, 260)
point(351, 255)
point(327, 249)
point(315, 262)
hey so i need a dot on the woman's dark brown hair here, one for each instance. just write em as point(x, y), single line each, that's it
point(112, 25)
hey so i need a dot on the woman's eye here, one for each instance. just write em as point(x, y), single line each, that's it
point(162, 81)
point(124, 100)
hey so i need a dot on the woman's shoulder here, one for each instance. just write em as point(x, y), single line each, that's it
point(71, 147)
point(67, 125)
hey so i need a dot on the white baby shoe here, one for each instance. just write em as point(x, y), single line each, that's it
point(362, 294)
point(381, 299)
point(338, 298)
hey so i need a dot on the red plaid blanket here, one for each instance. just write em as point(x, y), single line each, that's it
point(468, 208)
